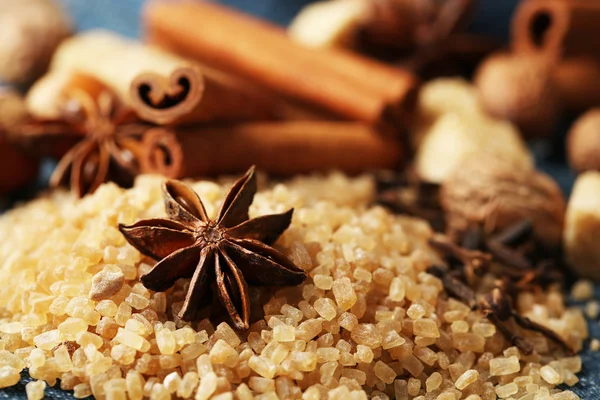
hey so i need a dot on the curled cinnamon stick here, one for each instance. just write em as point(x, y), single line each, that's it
point(561, 27)
point(161, 87)
point(287, 148)
point(161, 153)
point(347, 84)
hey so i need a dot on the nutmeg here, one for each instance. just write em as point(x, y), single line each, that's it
point(583, 142)
point(30, 31)
point(498, 193)
point(520, 88)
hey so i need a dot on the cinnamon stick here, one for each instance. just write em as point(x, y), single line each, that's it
point(577, 80)
point(560, 27)
point(345, 83)
point(161, 87)
point(16, 168)
point(287, 148)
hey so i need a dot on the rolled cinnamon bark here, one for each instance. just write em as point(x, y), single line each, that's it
point(161, 87)
point(16, 168)
point(347, 84)
point(578, 83)
point(287, 148)
point(161, 153)
point(562, 27)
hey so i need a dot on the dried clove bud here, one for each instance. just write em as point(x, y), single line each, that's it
point(406, 194)
point(507, 255)
point(520, 89)
point(455, 287)
point(583, 142)
point(497, 193)
point(475, 259)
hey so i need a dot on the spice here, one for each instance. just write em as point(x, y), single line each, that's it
point(560, 28)
point(233, 249)
point(16, 168)
point(159, 86)
point(107, 151)
point(288, 147)
point(520, 88)
point(407, 194)
point(496, 305)
point(472, 260)
point(31, 31)
point(582, 222)
point(577, 80)
point(388, 95)
point(496, 193)
point(114, 145)
point(583, 142)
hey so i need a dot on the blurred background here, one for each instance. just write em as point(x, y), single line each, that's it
point(122, 16)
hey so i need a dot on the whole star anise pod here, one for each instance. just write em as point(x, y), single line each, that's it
point(112, 146)
point(231, 251)
point(110, 142)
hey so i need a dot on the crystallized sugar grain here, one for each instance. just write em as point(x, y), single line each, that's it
point(367, 323)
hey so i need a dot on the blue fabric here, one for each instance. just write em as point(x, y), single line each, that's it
point(493, 18)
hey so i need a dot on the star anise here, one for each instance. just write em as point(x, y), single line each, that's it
point(111, 148)
point(232, 251)
point(111, 143)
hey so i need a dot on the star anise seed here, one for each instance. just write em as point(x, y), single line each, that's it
point(232, 251)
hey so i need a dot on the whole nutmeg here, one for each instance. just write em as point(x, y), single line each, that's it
point(520, 88)
point(30, 31)
point(583, 142)
point(498, 193)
